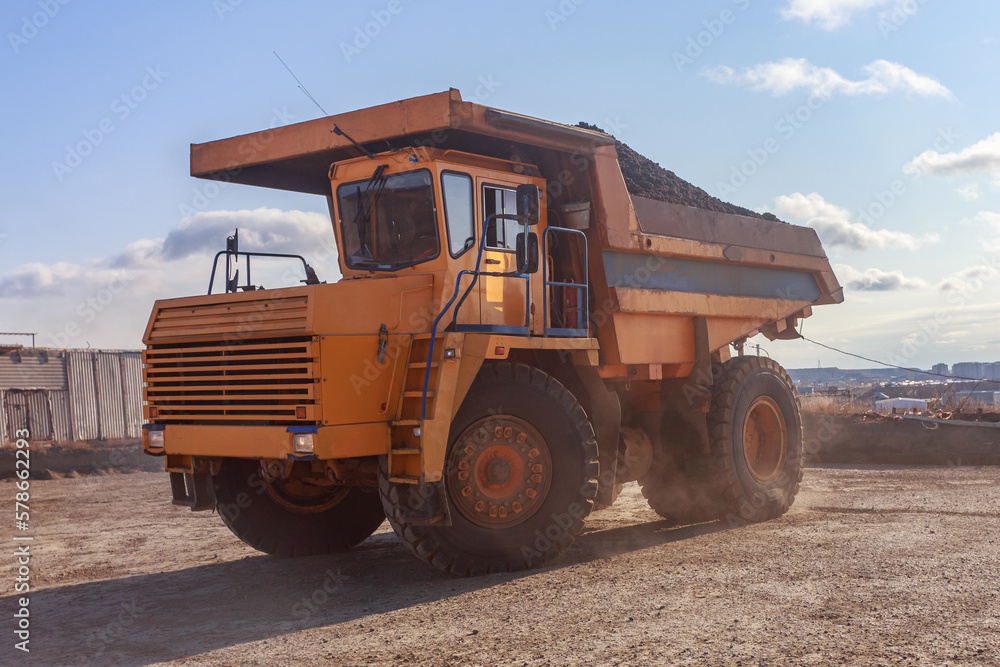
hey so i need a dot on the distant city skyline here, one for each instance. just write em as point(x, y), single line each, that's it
point(971, 373)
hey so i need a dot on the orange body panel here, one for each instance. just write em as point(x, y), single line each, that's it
point(356, 387)
point(274, 442)
point(649, 338)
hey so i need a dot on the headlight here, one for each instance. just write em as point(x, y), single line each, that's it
point(302, 443)
point(154, 439)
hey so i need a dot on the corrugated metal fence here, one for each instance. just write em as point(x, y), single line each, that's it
point(65, 395)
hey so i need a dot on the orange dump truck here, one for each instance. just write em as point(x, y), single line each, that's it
point(513, 338)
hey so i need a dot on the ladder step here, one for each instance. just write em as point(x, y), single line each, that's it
point(405, 451)
point(404, 479)
point(423, 364)
point(407, 422)
point(418, 394)
point(426, 336)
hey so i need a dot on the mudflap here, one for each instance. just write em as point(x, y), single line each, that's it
point(194, 490)
point(423, 504)
point(605, 413)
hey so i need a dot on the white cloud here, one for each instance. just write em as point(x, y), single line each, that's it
point(263, 228)
point(966, 280)
point(834, 226)
point(202, 235)
point(989, 218)
point(877, 280)
point(106, 300)
point(830, 14)
point(968, 192)
point(951, 338)
point(36, 279)
point(980, 158)
point(784, 76)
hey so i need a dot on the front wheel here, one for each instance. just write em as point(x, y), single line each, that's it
point(520, 477)
point(292, 517)
point(756, 435)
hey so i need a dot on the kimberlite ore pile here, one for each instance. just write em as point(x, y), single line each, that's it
point(645, 178)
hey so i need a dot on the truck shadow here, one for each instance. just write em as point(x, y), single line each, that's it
point(171, 615)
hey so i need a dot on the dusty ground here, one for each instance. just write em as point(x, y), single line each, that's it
point(873, 566)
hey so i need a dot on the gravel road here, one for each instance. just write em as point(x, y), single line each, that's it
point(873, 565)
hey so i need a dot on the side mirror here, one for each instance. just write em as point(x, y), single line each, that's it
point(527, 204)
point(526, 252)
point(233, 243)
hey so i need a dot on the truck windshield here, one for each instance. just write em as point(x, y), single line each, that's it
point(388, 222)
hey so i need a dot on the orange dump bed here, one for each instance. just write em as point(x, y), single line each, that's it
point(659, 272)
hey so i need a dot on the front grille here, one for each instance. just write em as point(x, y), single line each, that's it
point(234, 319)
point(259, 381)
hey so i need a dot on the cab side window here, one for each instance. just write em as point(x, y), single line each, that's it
point(501, 234)
point(459, 213)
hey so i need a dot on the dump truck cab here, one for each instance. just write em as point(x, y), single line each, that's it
point(514, 336)
point(426, 211)
point(421, 211)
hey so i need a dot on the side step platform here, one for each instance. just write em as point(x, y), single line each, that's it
point(407, 450)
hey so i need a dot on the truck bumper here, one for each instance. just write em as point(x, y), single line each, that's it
point(269, 442)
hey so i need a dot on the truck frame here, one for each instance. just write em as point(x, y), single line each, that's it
point(514, 337)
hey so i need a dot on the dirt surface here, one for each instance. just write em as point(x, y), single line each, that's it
point(872, 566)
point(846, 439)
point(645, 178)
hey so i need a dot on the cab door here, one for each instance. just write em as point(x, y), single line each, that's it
point(502, 300)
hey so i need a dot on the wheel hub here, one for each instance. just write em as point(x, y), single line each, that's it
point(765, 440)
point(298, 496)
point(499, 472)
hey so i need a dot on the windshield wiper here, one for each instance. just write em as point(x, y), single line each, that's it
point(363, 213)
point(376, 185)
point(376, 175)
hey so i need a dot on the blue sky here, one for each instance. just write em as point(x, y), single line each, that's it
point(873, 121)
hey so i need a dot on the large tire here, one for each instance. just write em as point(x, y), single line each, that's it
point(674, 491)
point(755, 429)
point(273, 519)
point(525, 444)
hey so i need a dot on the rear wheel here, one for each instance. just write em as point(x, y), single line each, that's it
point(756, 435)
point(673, 491)
point(520, 477)
point(292, 517)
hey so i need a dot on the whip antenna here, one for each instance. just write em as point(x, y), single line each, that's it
point(301, 87)
point(336, 128)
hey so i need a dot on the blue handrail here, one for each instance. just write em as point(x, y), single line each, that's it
point(437, 320)
point(475, 273)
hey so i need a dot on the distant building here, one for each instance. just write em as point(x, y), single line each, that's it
point(940, 369)
point(70, 395)
point(975, 370)
point(900, 404)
